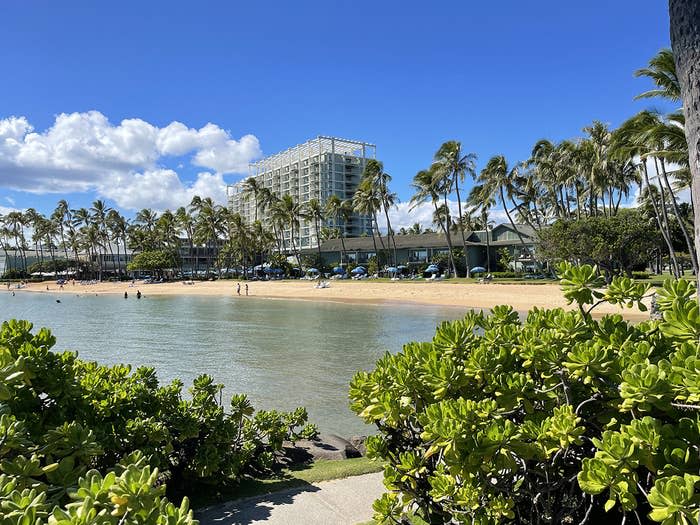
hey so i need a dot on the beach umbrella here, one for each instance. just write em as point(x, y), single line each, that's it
point(339, 270)
point(402, 267)
point(358, 270)
point(478, 269)
point(312, 270)
point(258, 267)
point(433, 268)
point(392, 269)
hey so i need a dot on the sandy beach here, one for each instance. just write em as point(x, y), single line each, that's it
point(453, 294)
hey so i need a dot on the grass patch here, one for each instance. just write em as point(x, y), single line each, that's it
point(297, 476)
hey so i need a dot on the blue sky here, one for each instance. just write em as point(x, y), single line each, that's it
point(406, 76)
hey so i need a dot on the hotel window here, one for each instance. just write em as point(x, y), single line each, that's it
point(418, 255)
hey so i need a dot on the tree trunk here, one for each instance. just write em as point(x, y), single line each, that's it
point(510, 219)
point(662, 227)
point(448, 235)
point(664, 213)
point(679, 217)
point(685, 40)
point(446, 231)
point(461, 228)
point(318, 240)
point(389, 231)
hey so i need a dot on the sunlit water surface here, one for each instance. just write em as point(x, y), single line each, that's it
point(283, 354)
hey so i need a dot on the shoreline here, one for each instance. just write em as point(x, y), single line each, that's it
point(522, 297)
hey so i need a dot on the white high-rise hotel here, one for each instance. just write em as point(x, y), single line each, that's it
point(316, 169)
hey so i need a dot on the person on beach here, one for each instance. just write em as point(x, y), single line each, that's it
point(246, 289)
point(238, 289)
point(138, 294)
point(47, 287)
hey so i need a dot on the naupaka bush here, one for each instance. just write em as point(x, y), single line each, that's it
point(557, 418)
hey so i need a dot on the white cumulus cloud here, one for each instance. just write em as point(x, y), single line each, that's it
point(83, 152)
point(402, 216)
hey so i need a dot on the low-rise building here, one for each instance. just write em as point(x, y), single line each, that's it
point(417, 249)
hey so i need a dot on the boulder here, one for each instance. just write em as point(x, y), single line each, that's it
point(325, 446)
point(360, 443)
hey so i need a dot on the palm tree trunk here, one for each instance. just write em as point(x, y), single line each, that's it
point(679, 217)
point(510, 219)
point(389, 231)
point(662, 228)
point(448, 235)
point(685, 41)
point(461, 228)
point(664, 214)
point(488, 242)
point(578, 202)
point(445, 230)
point(379, 234)
point(318, 239)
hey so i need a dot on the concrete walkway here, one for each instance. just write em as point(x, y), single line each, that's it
point(339, 502)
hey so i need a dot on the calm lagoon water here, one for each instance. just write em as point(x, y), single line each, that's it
point(283, 354)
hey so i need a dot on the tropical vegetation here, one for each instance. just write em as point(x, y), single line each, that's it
point(557, 418)
point(86, 443)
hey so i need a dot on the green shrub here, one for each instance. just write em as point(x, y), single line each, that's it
point(14, 273)
point(560, 418)
point(641, 275)
point(65, 424)
point(506, 275)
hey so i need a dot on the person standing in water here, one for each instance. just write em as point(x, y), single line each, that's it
point(138, 294)
point(126, 295)
point(238, 289)
point(246, 289)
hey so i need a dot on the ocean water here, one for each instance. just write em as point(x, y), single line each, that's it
point(282, 354)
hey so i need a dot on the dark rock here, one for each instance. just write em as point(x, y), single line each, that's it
point(360, 443)
point(326, 446)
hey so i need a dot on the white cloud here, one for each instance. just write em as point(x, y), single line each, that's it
point(162, 189)
point(402, 216)
point(85, 152)
point(4, 210)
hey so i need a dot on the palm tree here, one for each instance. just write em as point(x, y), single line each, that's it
point(496, 177)
point(252, 188)
point(632, 139)
point(662, 70)
point(60, 216)
point(366, 202)
point(291, 212)
point(186, 224)
point(99, 211)
point(209, 222)
point(117, 227)
point(426, 190)
point(457, 165)
point(314, 212)
point(339, 210)
point(374, 172)
point(482, 198)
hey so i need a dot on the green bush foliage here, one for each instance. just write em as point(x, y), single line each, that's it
point(506, 275)
point(557, 418)
point(617, 244)
point(85, 443)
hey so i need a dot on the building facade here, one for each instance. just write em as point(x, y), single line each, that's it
point(317, 169)
point(420, 249)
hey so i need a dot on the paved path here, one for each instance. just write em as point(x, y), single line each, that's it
point(339, 502)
